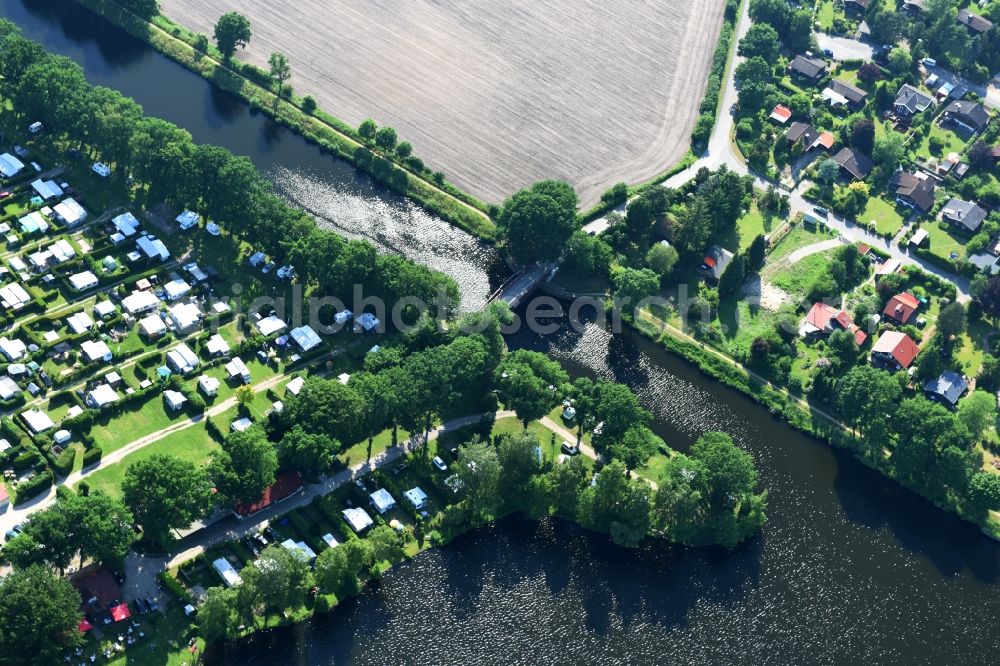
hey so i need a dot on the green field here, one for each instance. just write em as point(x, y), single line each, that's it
point(953, 143)
point(797, 278)
point(945, 241)
point(800, 236)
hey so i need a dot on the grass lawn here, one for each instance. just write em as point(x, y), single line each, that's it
point(167, 636)
point(797, 278)
point(944, 241)
point(953, 143)
point(748, 227)
point(130, 426)
point(972, 348)
point(825, 15)
point(192, 444)
point(740, 323)
point(887, 220)
point(800, 236)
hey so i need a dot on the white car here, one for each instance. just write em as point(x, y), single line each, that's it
point(213, 229)
point(35, 127)
point(286, 272)
point(439, 463)
point(36, 166)
point(101, 169)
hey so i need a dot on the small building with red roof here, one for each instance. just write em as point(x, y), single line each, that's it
point(894, 350)
point(823, 319)
point(901, 308)
point(284, 486)
point(781, 114)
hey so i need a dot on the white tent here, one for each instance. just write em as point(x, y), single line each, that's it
point(217, 345)
point(237, 368)
point(126, 224)
point(10, 166)
point(96, 350)
point(152, 248)
point(417, 497)
point(37, 420)
point(101, 395)
point(174, 399)
point(83, 281)
point(295, 385)
point(305, 337)
point(182, 359)
point(13, 349)
point(357, 518)
point(46, 189)
point(13, 296)
point(79, 322)
point(382, 500)
point(184, 317)
point(270, 325)
point(70, 211)
point(227, 572)
point(140, 301)
point(208, 385)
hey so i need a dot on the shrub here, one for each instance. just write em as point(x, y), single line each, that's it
point(92, 456)
point(36, 486)
point(323, 603)
point(309, 104)
point(63, 464)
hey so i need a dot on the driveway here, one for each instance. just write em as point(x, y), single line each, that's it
point(844, 48)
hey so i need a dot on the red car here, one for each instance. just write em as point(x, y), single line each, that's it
point(4, 195)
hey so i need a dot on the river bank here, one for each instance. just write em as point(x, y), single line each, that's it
point(320, 128)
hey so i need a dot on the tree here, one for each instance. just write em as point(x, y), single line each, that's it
point(164, 492)
point(843, 347)
point(662, 259)
point(617, 505)
point(989, 297)
point(730, 472)
point(39, 612)
point(387, 544)
point(281, 71)
point(863, 135)
point(564, 484)
point(732, 278)
point(900, 60)
point(756, 254)
point(680, 505)
point(312, 453)
point(245, 466)
point(777, 13)
point(244, 395)
point(232, 31)
point(367, 130)
point(281, 576)
point(636, 447)
point(325, 406)
point(633, 285)
point(799, 33)
point(984, 493)
point(951, 320)
point(479, 469)
point(385, 138)
point(618, 410)
point(865, 397)
point(217, 615)
point(978, 411)
point(309, 105)
point(827, 171)
point(519, 455)
point(638, 217)
point(888, 150)
point(404, 149)
point(530, 383)
point(761, 40)
point(536, 223)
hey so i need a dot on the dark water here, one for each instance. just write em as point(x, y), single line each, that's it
point(850, 569)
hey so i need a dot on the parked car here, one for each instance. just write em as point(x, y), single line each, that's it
point(37, 167)
point(140, 606)
point(929, 62)
point(101, 169)
point(828, 53)
point(821, 210)
point(439, 463)
point(454, 452)
point(268, 267)
point(251, 545)
point(286, 272)
point(152, 605)
point(14, 531)
point(272, 533)
point(569, 448)
point(4, 195)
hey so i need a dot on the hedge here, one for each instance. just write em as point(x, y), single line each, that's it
point(92, 456)
point(63, 464)
point(36, 486)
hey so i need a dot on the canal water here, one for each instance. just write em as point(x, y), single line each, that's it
point(850, 568)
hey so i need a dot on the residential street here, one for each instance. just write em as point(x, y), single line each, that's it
point(844, 48)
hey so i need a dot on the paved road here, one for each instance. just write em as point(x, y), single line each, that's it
point(844, 48)
point(989, 94)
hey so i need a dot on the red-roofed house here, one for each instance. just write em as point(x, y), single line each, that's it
point(823, 319)
point(901, 308)
point(825, 140)
point(894, 350)
point(781, 114)
point(863, 249)
point(283, 487)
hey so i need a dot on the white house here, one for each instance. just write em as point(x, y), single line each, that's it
point(101, 396)
point(13, 296)
point(104, 309)
point(139, 302)
point(382, 500)
point(182, 359)
point(176, 289)
point(237, 369)
point(13, 349)
point(357, 518)
point(187, 219)
point(330, 540)
point(217, 345)
point(70, 212)
point(37, 421)
point(46, 189)
point(152, 248)
point(305, 337)
point(174, 399)
point(96, 350)
point(295, 385)
point(152, 327)
point(184, 317)
point(416, 497)
point(79, 322)
point(270, 325)
point(126, 224)
point(10, 166)
point(241, 424)
point(8, 388)
point(299, 547)
point(62, 251)
point(83, 281)
point(208, 385)
point(226, 572)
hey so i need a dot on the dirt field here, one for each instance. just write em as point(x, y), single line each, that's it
point(499, 94)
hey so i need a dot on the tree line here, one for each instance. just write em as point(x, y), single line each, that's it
point(168, 167)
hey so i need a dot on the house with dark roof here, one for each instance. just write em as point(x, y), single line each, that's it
point(970, 116)
point(910, 101)
point(807, 67)
point(855, 96)
point(965, 215)
point(974, 22)
point(894, 350)
point(715, 262)
point(901, 308)
point(915, 6)
point(913, 190)
point(947, 389)
point(808, 137)
point(853, 164)
point(856, 6)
